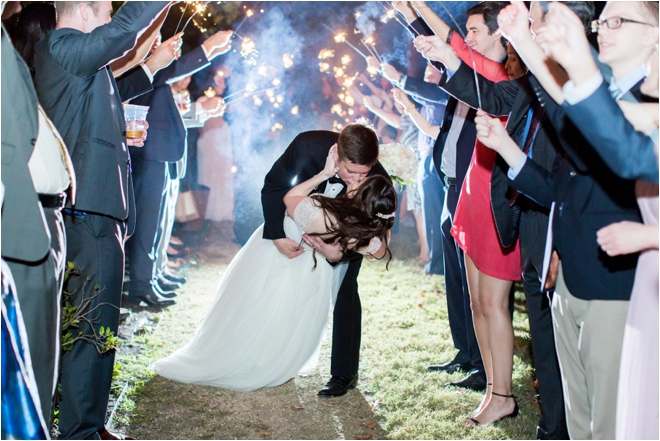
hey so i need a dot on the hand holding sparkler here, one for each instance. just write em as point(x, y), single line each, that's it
point(406, 9)
point(391, 73)
point(563, 39)
point(434, 49)
point(218, 44)
point(213, 106)
point(164, 54)
point(401, 98)
point(514, 23)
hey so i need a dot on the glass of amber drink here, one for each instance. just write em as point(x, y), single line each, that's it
point(135, 117)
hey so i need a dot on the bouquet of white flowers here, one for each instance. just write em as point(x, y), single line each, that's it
point(399, 161)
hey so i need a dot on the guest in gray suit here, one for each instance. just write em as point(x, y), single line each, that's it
point(77, 89)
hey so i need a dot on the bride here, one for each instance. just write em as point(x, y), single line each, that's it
point(269, 315)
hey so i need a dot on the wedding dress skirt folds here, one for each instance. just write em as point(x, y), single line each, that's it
point(266, 322)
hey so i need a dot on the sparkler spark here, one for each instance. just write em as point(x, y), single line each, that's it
point(340, 38)
point(346, 59)
point(326, 53)
point(276, 82)
point(210, 92)
point(324, 67)
point(287, 60)
point(276, 127)
point(294, 110)
point(263, 70)
point(249, 13)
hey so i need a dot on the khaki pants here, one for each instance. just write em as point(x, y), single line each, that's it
point(588, 336)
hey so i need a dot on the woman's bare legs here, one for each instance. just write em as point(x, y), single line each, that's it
point(421, 233)
point(480, 328)
point(493, 303)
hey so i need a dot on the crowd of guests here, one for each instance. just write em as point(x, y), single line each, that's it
point(80, 196)
point(537, 163)
point(548, 154)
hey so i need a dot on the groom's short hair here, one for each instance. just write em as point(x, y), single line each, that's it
point(358, 143)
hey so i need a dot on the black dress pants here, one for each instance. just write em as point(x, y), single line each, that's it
point(148, 184)
point(459, 311)
point(347, 325)
point(533, 229)
point(39, 287)
point(95, 243)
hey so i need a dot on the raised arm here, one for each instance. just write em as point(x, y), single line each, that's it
point(422, 124)
point(437, 25)
point(514, 24)
point(389, 117)
point(301, 191)
point(83, 54)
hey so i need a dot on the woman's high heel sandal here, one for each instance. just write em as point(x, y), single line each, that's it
point(511, 415)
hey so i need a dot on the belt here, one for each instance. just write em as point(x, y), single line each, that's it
point(56, 201)
point(450, 181)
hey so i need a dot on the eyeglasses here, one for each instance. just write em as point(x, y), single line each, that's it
point(614, 23)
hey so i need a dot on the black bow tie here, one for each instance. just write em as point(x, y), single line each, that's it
point(336, 180)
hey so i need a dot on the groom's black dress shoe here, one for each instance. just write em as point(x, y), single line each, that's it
point(150, 298)
point(475, 380)
point(451, 367)
point(338, 386)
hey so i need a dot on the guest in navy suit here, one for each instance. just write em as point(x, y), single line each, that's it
point(166, 144)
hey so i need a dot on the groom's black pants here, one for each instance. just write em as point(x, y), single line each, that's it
point(347, 325)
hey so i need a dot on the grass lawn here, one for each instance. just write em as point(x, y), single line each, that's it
point(405, 329)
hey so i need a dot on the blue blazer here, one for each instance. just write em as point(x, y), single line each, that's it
point(630, 154)
point(588, 196)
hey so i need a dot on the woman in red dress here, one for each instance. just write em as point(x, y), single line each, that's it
point(491, 268)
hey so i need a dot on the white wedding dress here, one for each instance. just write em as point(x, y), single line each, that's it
point(267, 320)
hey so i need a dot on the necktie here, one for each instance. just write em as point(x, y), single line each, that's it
point(534, 118)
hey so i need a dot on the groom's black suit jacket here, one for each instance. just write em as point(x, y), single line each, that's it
point(304, 158)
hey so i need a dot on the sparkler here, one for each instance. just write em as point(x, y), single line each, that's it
point(326, 53)
point(200, 7)
point(341, 38)
point(253, 94)
point(248, 13)
point(210, 92)
point(474, 67)
point(287, 60)
point(184, 13)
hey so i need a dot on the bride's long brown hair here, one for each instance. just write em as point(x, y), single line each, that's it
point(355, 219)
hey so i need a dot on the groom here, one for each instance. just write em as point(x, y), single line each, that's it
point(357, 151)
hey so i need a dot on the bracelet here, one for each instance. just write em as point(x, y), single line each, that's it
point(409, 109)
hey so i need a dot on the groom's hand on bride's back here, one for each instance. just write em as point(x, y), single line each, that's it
point(288, 247)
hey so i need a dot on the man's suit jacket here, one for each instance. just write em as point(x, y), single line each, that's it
point(513, 98)
point(25, 234)
point(304, 158)
point(166, 139)
point(78, 92)
point(630, 154)
point(588, 197)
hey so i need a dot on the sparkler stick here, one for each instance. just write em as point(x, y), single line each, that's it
point(347, 42)
point(247, 96)
point(245, 18)
point(474, 67)
point(247, 88)
point(179, 23)
point(380, 59)
point(200, 8)
point(371, 52)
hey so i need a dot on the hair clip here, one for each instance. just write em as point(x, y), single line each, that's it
point(385, 216)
